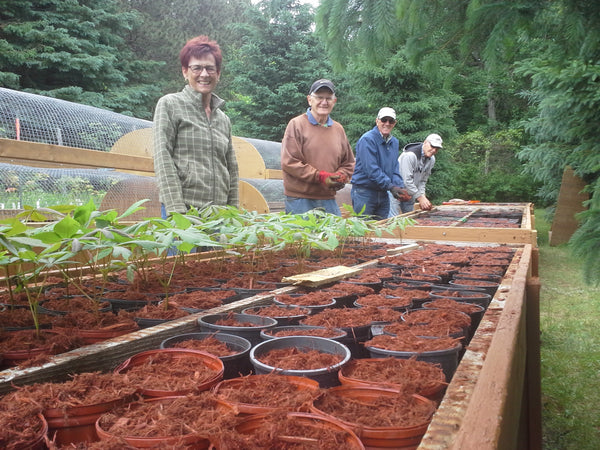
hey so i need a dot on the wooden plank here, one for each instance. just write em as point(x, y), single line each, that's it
point(467, 234)
point(533, 372)
point(250, 161)
point(251, 199)
point(449, 420)
point(274, 174)
point(501, 380)
point(47, 155)
point(322, 276)
point(137, 142)
point(402, 249)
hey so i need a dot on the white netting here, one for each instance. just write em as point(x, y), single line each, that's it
point(36, 118)
point(46, 187)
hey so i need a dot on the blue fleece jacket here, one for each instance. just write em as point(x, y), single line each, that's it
point(377, 162)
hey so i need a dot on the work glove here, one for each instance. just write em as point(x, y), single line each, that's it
point(400, 194)
point(335, 181)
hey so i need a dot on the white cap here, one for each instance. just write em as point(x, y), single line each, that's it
point(386, 112)
point(435, 140)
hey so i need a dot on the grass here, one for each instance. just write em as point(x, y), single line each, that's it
point(570, 351)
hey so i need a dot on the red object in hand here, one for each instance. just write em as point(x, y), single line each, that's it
point(324, 175)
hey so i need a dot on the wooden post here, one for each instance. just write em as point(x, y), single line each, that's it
point(570, 202)
point(533, 387)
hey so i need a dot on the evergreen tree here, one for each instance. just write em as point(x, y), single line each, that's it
point(167, 25)
point(565, 74)
point(273, 68)
point(74, 50)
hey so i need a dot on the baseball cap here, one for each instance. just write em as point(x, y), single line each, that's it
point(386, 112)
point(323, 82)
point(435, 140)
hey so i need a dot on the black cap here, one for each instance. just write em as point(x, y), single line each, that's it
point(320, 84)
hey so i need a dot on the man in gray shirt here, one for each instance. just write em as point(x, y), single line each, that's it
point(416, 162)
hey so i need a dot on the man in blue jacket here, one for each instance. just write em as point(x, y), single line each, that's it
point(377, 170)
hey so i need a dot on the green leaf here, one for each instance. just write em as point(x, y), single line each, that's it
point(67, 227)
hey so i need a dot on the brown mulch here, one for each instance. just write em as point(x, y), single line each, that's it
point(159, 311)
point(78, 303)
point(201, 299)
point(446, 303)
point(271, 390)
point(408, 375)
point(209, 344)
point(296, 359)
point(326, 332)
point(56, 341)
point(399, 410)
point(383, 300)
point(407, 293)
point(84, 389)
point(411, 343)
point(280, 431)
point(316, 298)
point(352, 317)
point(21, 318)
point(453, 319)
point(350, 288)
point(193, 414)
point(87, 320)
point(168, 372)
point(230, 321)
point(275, 311)
point(19, 421)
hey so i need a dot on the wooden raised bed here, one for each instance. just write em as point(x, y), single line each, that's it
point(458, 223)
point(493, 400)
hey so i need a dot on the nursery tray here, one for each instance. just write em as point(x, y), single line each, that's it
point(323, 276)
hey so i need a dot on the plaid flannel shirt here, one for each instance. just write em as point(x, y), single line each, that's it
point(194, 159)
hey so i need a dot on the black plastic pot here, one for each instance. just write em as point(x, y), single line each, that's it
point(325, 376)
point(489, 287)
point(269, 333)
point(237, 364)
point(251, 333)
point(281, 319)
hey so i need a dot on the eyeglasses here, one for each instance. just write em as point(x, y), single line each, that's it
point(198, 69)
point(388, 120)
point(320, 99)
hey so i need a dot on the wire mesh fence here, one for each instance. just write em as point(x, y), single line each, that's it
point(35, 118)
point(36, 187)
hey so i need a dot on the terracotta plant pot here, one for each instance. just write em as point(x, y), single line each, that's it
point(212, 364)
point(76, 424)
point(189, 440)
point(419, 377)
point(344, 403)
point(447, 358)
point(266, 393)
point(273, 431)
point(102, 334)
